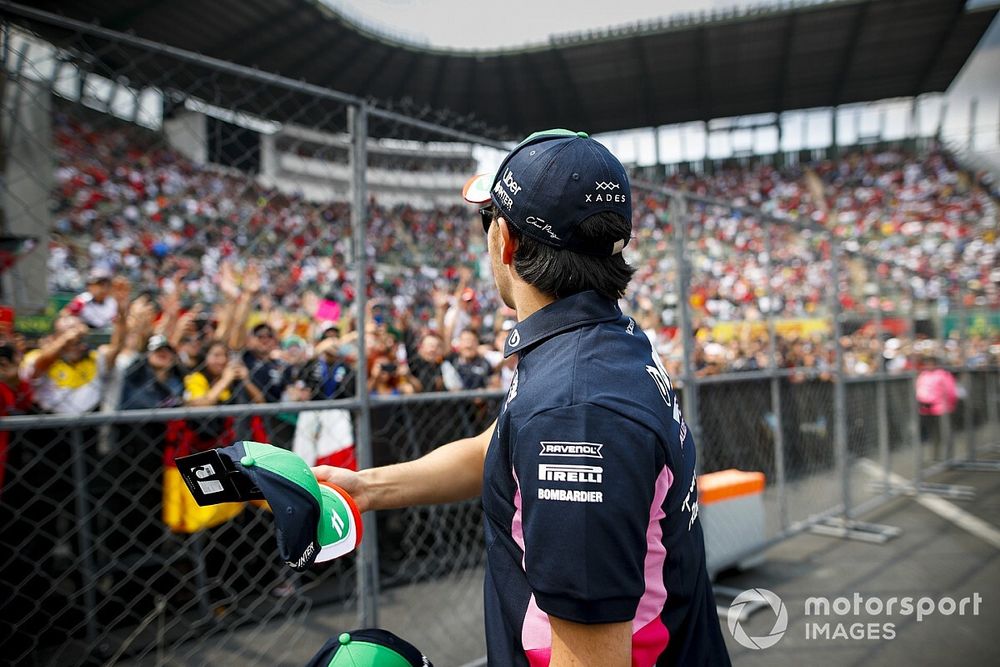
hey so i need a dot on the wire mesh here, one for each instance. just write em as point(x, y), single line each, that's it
point(91, 571)
point(432, 558)
point(202, 252)
point(865, 415)
point(901, 416)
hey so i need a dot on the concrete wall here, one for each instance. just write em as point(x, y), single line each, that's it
point(26, 123)
point(187, 133)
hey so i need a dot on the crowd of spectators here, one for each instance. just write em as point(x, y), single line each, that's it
point(212, 289)
point(915, 230)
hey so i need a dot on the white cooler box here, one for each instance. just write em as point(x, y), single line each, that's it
point(731, 507)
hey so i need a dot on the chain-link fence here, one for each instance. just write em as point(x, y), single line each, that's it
point(106, 560)
point(214, 237)
point(807, 374)
point(233, 255)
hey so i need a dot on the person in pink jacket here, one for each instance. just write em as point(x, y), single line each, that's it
point(937, 392)
point(937, 395)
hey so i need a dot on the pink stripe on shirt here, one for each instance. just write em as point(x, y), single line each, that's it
point(649, 635)
point(536, 633)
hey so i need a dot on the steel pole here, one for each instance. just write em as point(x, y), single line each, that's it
point(678, 216)
point(368, 585)
point(776, 408)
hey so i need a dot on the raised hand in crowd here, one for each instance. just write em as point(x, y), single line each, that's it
point(121, 292)
point(141, 315)
point(251, 286)
point(228, 281)
point(67, 339)
point(169, 301)
point(186, 325)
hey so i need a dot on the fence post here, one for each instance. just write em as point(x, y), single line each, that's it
point(678, 216)
point(991, 406)
point(839, 390)
point(881, 404)
point(368, 585)
point(967, 382)
point(85, 540)
point(779, 429)
point(915, 435)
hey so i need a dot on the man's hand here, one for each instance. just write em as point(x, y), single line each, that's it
point(349, 480)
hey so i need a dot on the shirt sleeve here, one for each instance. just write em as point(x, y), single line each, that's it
point(100, 357)
point(586, 478)
point(27, 369)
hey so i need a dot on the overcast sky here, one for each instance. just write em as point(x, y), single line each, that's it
point(477, 24)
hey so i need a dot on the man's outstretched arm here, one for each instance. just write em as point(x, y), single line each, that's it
point(581, 645)
point(450, 473)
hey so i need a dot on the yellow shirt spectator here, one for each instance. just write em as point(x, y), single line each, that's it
point(197, 385)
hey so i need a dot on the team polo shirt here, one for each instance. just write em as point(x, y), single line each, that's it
point(590, 496)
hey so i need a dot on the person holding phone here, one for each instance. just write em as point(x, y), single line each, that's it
point(220, 379)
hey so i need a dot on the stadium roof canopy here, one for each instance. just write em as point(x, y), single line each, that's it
point(766, 59)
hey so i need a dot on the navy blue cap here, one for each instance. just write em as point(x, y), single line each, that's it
point(550, 183)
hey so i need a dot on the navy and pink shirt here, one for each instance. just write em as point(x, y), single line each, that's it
point(590, 495)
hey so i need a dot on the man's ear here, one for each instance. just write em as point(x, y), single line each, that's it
point(508, 242)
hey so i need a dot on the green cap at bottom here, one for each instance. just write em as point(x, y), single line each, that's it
point(369, 647)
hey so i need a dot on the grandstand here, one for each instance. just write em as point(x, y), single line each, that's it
point(784, 56)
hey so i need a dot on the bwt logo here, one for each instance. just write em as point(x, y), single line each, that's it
point(757, 595)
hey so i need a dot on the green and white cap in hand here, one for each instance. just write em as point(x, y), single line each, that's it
point(315, 522)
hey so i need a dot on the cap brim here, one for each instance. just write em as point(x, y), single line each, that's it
point(477, 189)
point(338, 509)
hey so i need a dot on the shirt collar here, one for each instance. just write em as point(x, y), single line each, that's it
point(559, 316)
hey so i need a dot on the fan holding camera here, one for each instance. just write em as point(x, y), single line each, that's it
point(389, 379)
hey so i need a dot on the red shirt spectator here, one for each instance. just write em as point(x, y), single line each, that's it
point(15, 397)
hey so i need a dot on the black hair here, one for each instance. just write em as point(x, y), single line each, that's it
point(561, 273)
point(202, 355)
point(7, 352)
